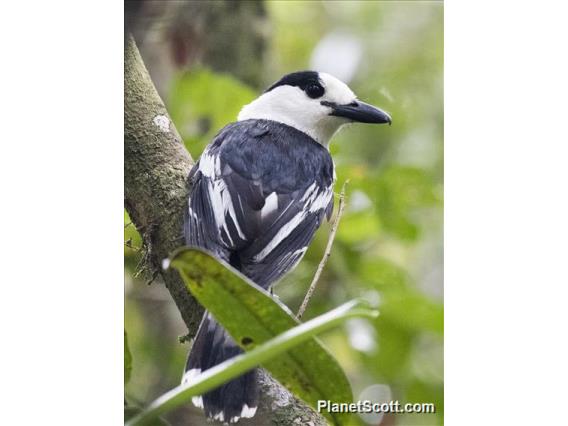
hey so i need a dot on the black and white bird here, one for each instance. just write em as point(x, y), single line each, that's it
point(260, 191)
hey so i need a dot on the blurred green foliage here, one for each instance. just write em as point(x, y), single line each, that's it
point(389, 245)
point(127, 360)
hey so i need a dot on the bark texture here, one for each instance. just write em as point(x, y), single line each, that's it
point(156, 166)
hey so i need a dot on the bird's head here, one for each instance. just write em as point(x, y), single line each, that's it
point(316, 103)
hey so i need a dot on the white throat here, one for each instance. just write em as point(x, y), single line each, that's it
point(288, 105)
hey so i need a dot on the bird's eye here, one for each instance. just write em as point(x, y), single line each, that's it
point(314, 91)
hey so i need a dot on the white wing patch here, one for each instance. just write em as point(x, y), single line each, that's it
point(190, 375)
point(313, 200)
point(311, 189)
point(209, 165)
point(246, 413)
point(294, 257)
point(270, 205)
point(197, 401)
point(280, 235)
point(316, 199)
point(219, 195)
point(320, 201)
point(187, 378)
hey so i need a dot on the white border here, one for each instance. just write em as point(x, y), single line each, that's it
point(61, 174)
point(506, 213)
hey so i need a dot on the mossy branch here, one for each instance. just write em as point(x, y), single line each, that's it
point(156, 165)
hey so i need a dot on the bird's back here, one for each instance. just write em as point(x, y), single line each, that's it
point(259, 192)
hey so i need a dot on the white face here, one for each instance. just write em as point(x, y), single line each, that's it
point(292, 106)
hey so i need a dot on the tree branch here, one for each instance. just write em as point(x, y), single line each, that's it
point(156, 166)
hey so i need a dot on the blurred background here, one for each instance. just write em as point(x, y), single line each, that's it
point(207, 60)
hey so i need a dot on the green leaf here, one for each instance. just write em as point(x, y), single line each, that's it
point(127, 360)
point(261, 354)
point(264, 328)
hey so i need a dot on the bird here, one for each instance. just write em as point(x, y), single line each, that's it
point(259, 192)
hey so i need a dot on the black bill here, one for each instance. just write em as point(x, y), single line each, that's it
point(360, 112)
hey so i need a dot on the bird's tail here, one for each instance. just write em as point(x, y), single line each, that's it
point(233, 400)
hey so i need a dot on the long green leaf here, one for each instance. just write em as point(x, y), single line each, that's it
point(252, 316)
point(234, 367)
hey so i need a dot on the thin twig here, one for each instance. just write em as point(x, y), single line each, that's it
point(326, 254)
